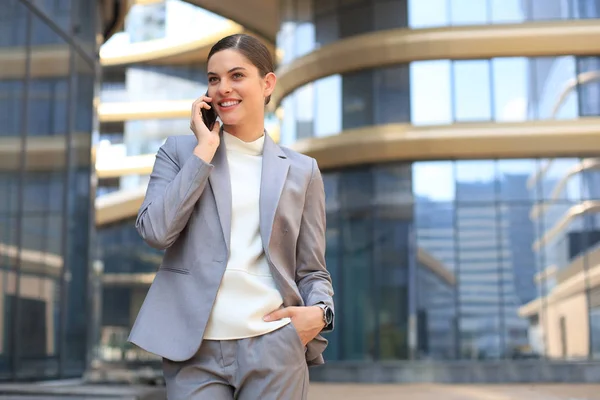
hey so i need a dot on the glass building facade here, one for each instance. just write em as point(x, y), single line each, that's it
point(450, 252)
point(48, 57)
point(127, 263)
point(306, 25)
point(432, 260)
point(449, 260)
point(507, 89)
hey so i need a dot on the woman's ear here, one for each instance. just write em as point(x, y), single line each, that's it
point(270, 80)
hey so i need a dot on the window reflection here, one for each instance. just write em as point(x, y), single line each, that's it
point(510, 88)
point(432, 13)
point(472, 97)
point(464, 239)
point(129, 265)
point(469, 12)
point(37, 133)
point(550, 78)
point(588, 70)
point(443, 92)
point(430, 92)
point(305, 106)
point(507, 11)
point(328, 106)
point(476, 181)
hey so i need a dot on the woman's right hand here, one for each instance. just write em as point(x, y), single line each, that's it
point(208, 140)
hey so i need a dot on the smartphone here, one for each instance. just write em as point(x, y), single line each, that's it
point(209, 116)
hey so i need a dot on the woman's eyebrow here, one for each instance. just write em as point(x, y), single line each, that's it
point(230, 71)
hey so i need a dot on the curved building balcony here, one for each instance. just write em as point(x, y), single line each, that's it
point(168, 51)
point(393, 142)
point(306, 26)
point(258, 16)
point(400, 46)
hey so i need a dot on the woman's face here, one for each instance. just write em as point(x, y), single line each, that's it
point(237, 90)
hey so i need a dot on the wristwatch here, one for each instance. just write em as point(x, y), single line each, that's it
point(327, 313)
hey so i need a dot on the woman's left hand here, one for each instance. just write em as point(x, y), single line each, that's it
point(308, 321)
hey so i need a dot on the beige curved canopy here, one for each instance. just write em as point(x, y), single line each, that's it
point(167, 52)
point(399, 142)
point(394, 142)
point(258, 16)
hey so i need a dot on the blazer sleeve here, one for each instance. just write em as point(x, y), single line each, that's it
point(312, 277)
point(172, 192)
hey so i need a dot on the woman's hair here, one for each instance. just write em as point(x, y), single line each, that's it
point(251, 48)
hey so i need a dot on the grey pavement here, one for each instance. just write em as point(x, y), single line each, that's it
point(320, 391)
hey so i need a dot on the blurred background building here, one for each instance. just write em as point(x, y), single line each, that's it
point(48, 79)
point(460, 147)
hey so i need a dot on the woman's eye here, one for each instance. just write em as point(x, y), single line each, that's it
point(238, 75)
point(212, 79)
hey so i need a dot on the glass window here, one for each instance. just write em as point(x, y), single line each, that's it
point(590, 179)
point(510, 88)
point(513, 177)
point(476, 181)
point(326, 29)
point(285, 41)
point(559, 180)
point(392, 95)
point(585, 8)
point(588, 72)
point(324, 6)
point(472, 90)
point(430, 92)
point(595, 332)
point(507, 11)
point(424, 14)
point(305, 39)
point(328, 106)
point(390, 14)
point(551, 80)
point(78, 254)
point(357, 99)
point(541, 10)
point(288, 124)
point(165, 82)
point(356, 19)
point(469, 12)
point(305, 107)
point(479, 282)
point(436, 314)
point(357, 252)
point(434, 181)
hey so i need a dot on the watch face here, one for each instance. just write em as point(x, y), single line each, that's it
point(328, 315)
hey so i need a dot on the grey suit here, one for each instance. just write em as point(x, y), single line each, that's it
point(187, 211)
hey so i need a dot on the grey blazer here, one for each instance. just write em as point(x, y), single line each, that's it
point(187, 211)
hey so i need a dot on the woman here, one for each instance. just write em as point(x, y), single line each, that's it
point(239, 302)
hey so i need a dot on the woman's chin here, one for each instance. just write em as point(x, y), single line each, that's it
point(230, 121)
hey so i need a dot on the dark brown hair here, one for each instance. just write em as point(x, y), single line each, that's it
point(251, 48)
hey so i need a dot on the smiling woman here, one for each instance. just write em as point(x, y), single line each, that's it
point(240, 83)
point(243, 293)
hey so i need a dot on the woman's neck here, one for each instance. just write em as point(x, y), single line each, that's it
point(246, 132)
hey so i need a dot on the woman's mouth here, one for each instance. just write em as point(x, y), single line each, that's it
point(228, 104)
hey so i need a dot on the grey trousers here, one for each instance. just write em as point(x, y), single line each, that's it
point(271, 366)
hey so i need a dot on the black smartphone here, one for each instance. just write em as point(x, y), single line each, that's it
point(209, 116)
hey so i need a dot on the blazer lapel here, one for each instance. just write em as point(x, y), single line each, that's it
point(275, 167)
point(221, 188)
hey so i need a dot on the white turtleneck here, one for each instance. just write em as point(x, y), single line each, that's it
point(247, 292)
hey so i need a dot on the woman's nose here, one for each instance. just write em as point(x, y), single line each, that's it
point(225, 88)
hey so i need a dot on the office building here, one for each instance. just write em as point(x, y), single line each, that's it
point(458, 141)
point(48, 75)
